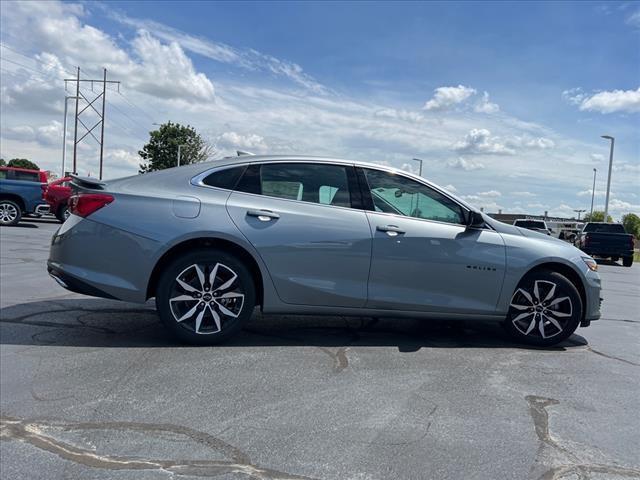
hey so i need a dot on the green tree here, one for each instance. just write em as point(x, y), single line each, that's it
point(598, 216)
point(22, 163)
point(631, 223)
point(162, 149)
point(2, 162)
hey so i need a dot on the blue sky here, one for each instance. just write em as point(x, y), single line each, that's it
point(504, 101)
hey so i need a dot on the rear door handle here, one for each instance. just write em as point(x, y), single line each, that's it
point(263, 215)
point(391, 230)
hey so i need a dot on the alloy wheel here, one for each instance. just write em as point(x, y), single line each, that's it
point(205, 297)
point(542, 312)
point(8, 213)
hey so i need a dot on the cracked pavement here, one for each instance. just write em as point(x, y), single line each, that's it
point(96, 389)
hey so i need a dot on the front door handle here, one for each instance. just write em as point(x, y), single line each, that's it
point(391, 230)
point(263, 215)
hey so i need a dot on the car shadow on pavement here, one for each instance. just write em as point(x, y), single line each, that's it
point(23, 224)
point(92, 322)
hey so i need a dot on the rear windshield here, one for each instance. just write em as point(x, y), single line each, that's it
point(604, 228)
point(530, 224)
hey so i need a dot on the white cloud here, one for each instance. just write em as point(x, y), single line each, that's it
point(490, 193)
point(634, 19)
point(480, 142)
point(485, 106)
point(450, 188)
point(524, 194)
point(584, 193)
point(446, 97)
point(597, 157)
point(249, 141)
point(394, 114)
point(463, 164)
point(46, 135)
point(626, 101)
point(248, 59)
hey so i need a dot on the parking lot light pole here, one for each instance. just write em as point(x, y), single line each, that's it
point(64, 131)
point(420, 170)
point(606, 202)
point(593, 192)
point(179, 149)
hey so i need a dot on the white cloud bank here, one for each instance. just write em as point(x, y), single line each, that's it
point(614, 101)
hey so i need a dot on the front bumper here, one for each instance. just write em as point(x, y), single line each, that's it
point(593, 291)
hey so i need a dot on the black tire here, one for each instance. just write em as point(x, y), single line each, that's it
point(551, 307)
point(183, 268)
point(615, 259)
point(62, 214)
point(10, 213)
point(627, 261)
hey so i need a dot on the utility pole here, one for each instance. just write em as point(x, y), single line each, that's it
point(593, 191)
point(606, 202)
point(89, 104)
point(579, 211)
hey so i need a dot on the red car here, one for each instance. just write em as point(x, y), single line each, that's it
point(57, 196)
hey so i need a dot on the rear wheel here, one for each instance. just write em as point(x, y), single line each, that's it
point(627, 261)
point(545, 309)
point(10, 213)
point(204, 297)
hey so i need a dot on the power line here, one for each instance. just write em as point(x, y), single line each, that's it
point(34, 59)
point(137, 107)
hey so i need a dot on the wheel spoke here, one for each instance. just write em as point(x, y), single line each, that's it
point(216, 318)
point(541, 327)
point(200, 276)
point(199, 319)
point(228, 283)
point(522, 316)
point(558, 314)
point(557, 301)
point(536, 291)
point(551, 293)
point(526, 295)
point(553, 321)
point(189, 314)
point(520, 307)
point(186, 286)
point(531, 325)
point(212, 275)
point(184, 298)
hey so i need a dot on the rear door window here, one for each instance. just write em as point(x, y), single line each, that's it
point(325, 184)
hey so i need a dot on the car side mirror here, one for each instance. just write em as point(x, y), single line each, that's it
point(476, 220)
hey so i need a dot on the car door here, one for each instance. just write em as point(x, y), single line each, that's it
point(299, 217)
point(423, 255)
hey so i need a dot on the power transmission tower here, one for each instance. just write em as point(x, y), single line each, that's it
point(89, 104)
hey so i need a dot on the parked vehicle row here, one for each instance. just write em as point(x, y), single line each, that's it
point(21, 192)
point(308, 235)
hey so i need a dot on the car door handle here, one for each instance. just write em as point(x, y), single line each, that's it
point(390, 230)
point(263, 215)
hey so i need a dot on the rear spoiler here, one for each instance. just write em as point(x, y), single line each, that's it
point(86, 183)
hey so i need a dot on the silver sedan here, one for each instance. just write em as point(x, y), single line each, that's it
point(309, 235)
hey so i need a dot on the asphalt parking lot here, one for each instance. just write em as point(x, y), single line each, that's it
point(93, 388)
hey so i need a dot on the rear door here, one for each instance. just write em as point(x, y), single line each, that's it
point(300, 217)
point(423, 256)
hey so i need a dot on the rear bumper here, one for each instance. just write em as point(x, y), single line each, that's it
point(42, 209)
point(95, 259)
point(607, 252)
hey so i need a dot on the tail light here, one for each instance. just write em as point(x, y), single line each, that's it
point(84, 204)
point(44, 187)
point(587, 239)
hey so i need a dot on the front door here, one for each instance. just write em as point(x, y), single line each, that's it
point(299, 218)
point(423, 255)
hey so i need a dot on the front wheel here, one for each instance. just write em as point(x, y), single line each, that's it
point(545, 309)
point(627, 261)
point(10, 213)
point(205, 296)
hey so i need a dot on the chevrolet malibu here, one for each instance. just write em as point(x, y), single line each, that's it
point(321, 236)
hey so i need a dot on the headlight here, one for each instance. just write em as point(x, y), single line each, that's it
point(591, 263)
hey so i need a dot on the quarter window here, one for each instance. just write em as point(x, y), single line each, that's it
point(307, 182)
point(227, 178)
point(392, 193)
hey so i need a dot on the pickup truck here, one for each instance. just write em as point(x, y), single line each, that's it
point(539, 226)
point(21, 192)
point(57, 196)
point(607, 240)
